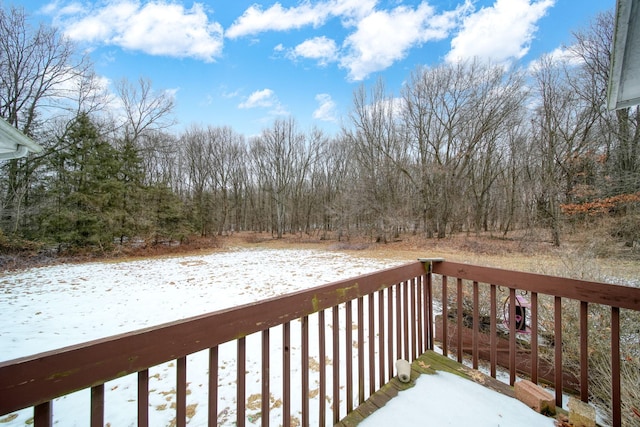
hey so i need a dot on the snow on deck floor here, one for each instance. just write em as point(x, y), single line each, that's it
point(445, 399)
point(52, 307)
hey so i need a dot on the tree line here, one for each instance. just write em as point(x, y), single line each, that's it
point(465, 147)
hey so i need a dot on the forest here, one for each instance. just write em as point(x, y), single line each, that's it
point(469, 147)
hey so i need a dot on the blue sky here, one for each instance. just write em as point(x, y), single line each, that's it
point(246, 63)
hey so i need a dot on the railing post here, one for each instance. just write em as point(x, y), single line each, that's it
point(429, 328)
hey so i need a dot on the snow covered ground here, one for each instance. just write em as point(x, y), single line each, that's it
point(52, 307)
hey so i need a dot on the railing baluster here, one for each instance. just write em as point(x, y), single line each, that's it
point(414, 349)
point(445, 316)
point(372, 346)
point(336, 365)
point(322, 400)
point(305, 371)
point(459, 325)
point(405, 318)
point(361, 378)
point(143, 398)
point(512, 336)
point(557, 320)
point(534, 337)
point(181, 392)
point(348, 338)
point(286, 374)
point(420, 314)
point(584, 351)
point(390, 358)
point(398, 321)
point(476, 324)
point(43, 415)
point(241, 379)
point(381, 353)
point(493, 343)
point(265, 393)
point(213, 387)
point(616, 415)
point(97, 406)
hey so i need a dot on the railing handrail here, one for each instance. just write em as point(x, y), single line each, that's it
point(581, 290)
point(32, 380)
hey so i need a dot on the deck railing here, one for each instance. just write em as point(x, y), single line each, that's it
point(322, 351)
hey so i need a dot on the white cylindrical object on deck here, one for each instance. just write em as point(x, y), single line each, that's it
point(404, 370)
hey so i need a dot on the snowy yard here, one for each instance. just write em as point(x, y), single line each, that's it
point(52, 307)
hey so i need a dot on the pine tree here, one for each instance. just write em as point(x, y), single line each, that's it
point(85, 188)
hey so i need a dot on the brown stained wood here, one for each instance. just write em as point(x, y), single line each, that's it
point(97, 406)
point(286, 375)
point(381, 353)
point(348, 338)
point(616, 413)
point(371, 329)
point(361, 377)
point(322, 403)
point(241, 382)
point(39, 378)
point(390, 358)
point(212, 417)
point(43, 415)
point(581, 290)
point(305, 371)
point(266, 378)
point(546, 372)
point(476, 324)
point(557, 336)
point(459, 300)
point(584, 351)
point(143, 398)
point(512, 336)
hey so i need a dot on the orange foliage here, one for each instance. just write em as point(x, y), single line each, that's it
point(600, 206)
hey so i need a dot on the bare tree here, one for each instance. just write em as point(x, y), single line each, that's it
point(281, 158)
point(564, 125)
point(379, 155)
point(144, 109)
point(620, 130)
point(227, 149)
point(37, 65)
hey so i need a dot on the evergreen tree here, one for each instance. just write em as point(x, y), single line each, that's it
point(86, 189)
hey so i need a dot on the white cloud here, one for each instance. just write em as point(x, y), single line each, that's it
point(255, 20)
point(156, 28)
point(383, 37)
point(558, 57)
point(260, 98)
point(498, 33)
point(265, 98)
point(326, 111)
point(322, 49)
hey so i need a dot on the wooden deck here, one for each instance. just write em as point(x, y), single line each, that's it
point(428, 363)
